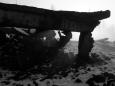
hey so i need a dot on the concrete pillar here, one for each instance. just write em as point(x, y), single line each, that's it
point(85, 45)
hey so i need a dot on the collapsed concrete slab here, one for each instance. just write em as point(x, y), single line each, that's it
point(43, 19)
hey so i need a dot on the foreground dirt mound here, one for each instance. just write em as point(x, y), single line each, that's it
point(99, 73)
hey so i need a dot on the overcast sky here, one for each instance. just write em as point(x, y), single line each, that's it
point(105, 29)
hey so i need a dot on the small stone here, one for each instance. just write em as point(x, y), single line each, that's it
point(78, 80)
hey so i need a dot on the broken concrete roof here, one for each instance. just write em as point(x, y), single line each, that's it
point(13, 15)
point(73, 15)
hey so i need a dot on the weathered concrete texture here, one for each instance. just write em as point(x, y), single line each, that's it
point(42, 19)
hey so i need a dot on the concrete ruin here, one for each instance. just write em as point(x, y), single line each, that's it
point(20, 16)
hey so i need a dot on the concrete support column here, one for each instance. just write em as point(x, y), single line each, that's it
point(85, 45)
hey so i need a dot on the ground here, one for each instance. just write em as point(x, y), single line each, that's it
point(96, 74)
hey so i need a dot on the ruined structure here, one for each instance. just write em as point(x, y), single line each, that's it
point(43, 19)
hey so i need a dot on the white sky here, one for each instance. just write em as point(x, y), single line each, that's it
point(105, 29)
